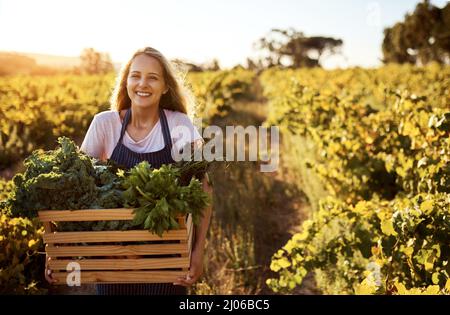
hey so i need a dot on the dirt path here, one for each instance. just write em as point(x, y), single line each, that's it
point(268, 204)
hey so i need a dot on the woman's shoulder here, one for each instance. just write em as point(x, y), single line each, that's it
point(177, 118)
point(107, 117)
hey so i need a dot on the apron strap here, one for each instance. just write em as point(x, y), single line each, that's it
point(164, 127)
point(124, 124)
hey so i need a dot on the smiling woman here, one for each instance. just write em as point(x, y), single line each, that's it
point(147, 104)
point(148, 95)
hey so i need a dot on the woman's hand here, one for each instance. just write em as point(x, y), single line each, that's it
point(48, 271)
point(195, 270)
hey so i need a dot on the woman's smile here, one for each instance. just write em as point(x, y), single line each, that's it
point(143, 94)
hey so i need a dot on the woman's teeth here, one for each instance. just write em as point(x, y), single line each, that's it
point(143, 94)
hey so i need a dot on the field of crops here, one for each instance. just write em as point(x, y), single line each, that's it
point(372, 149)
point(368, 148)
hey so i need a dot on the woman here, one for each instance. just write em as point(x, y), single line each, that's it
point(147, 104)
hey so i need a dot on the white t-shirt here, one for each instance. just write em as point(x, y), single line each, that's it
point(104, 133)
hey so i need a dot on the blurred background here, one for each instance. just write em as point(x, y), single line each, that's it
point(359, 89)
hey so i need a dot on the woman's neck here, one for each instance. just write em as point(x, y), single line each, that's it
point(144, 118)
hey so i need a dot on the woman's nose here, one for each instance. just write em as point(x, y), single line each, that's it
point(142, 83)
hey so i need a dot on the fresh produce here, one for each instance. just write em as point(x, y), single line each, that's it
point(67, 179)
point(160, 197)
point(64, 179)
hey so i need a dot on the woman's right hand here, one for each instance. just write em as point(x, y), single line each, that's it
point(48, 271)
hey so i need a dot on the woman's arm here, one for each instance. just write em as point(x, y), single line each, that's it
point(202, 228)
point(196, 268)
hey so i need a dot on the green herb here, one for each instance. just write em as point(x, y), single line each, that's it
point(159, 197)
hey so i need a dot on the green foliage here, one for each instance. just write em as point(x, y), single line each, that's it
point(159, 198)
point(21, 266)
point(381, 142)
point(62, 179)
point(421, 37)
point(216, 91)
point(67, 179)
point(370, 86)
point(6, 187)
point(376, 243)
point(363, 152)
point(35, 111)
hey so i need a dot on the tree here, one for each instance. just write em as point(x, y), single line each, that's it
point(93, 62)
point(422, 37)
point(294, 48)
point(192, 67)
point(186, 66)
point(211, 66)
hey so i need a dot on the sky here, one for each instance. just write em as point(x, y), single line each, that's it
point(196, 30)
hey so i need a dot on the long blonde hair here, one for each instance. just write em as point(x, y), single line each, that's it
point(178, 97)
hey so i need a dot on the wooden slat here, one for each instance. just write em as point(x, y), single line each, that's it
point(117, 250)
point(189, 245)
point(47, 227)
point(118, 264)
point(112, 236)
point(182, 222)
point(122, 276)
point(190, 229)
point(90, 215)
point(86, 215)
point(189, 224)
point(48, 230)
point(190, 241)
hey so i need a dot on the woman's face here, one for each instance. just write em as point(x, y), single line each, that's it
point(145, 82)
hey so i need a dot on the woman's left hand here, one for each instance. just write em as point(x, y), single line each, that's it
point(195, 270)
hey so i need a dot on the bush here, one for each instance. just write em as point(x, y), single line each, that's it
point(371, 247)
point(21, 264)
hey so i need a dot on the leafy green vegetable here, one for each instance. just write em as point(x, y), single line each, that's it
point(59, 179)
point(159, 197)
point(66, 178)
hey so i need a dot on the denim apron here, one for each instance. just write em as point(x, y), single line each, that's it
point(128, 158)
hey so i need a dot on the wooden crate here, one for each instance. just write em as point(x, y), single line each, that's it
point(102, 262)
